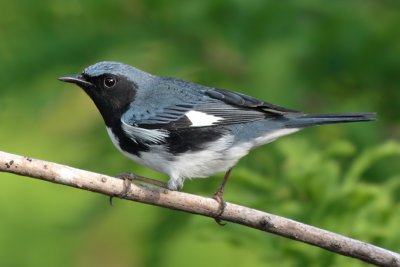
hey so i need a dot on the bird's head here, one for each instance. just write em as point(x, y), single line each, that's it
point(111, 85)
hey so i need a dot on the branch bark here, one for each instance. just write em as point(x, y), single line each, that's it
point(111, 186)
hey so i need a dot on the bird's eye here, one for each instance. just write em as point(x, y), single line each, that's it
point(109, 82)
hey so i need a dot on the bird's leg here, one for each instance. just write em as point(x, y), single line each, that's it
point(128, 177)
point(218, 196)
point(131, 176)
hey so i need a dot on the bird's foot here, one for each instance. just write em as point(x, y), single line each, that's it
point(146, 180)
point(218, 196)
point(128, 177)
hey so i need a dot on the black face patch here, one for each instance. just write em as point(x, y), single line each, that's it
point(112, 95)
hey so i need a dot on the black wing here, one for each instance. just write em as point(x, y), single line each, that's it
point(241, 100)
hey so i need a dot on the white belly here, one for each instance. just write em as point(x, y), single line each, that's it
point(217, 156)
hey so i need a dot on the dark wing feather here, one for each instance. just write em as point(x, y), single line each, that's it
point(242, 100)
point(231, 107)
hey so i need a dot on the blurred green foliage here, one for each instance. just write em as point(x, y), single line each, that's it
point(316, 56)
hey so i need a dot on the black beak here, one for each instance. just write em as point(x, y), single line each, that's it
point(75, 79)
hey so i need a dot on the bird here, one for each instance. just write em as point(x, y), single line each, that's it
point(184, 129)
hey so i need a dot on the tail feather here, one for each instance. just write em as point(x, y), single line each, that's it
point(306, 120)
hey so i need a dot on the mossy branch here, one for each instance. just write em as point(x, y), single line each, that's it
point(111, 186)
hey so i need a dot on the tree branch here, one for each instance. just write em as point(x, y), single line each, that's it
point(112, 186)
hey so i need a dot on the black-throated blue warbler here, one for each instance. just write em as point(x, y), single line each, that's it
point(184, 129)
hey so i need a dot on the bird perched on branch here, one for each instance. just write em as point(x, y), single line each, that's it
point(184, 129)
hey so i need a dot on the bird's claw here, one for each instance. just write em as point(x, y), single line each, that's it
point(218, 197)
point(221, 208)
point(127, 177)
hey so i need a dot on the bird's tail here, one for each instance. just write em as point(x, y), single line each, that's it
point(305, 120)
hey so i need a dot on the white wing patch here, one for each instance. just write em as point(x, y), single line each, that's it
point(137, 134)
point(199, 119)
